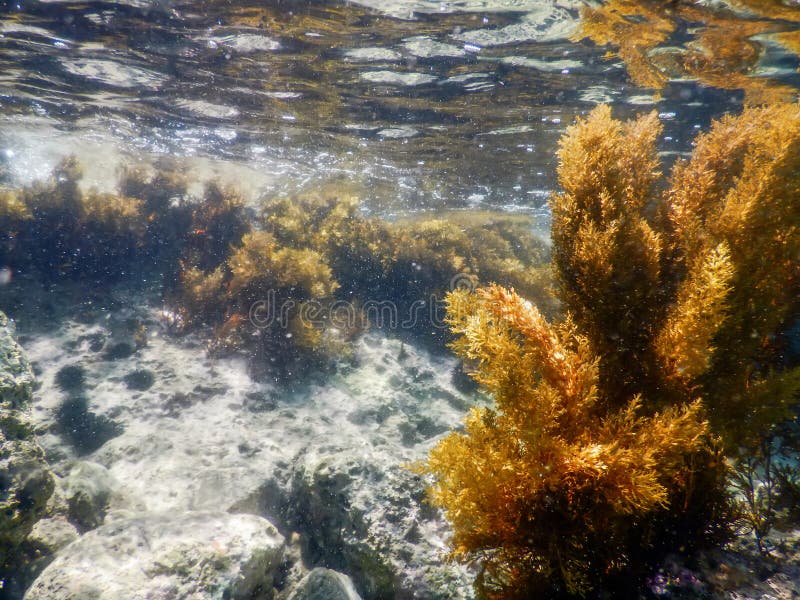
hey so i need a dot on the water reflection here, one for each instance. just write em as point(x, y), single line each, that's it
point(746, 45)
point(427, 104)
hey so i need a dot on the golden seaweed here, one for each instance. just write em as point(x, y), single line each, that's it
point(301, 254)
point(63, 231)
point(604, 446)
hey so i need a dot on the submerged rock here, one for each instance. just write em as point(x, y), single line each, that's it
point(46, 538)
point(91, 491)
point(51, 534)
point(26, 482)
point(365, 516)
point(325, 584)
point(325, 461)
point(193, 556)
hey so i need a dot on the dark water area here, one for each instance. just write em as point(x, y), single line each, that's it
point(425, 105)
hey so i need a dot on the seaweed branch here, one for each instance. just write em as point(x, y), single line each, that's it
point(606, 445)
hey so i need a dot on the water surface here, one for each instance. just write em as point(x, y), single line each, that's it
point(425, 104)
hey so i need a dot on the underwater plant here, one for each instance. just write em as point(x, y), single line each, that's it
point(328, 218)
point(259, 270)
point(62, 231)
point(160, 190)
point(167, 210)
point(480, 249)
point(14, 214)
point(303, 252)
point(312, 249)
point(200, 296)
point(607, 443)
point(219, 221)
point(309, 251)
point(151, 222)
point(413, 260)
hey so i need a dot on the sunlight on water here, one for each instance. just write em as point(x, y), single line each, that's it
point(407, 8)
point(390, 91)
point(382, 89)
point(421, 101)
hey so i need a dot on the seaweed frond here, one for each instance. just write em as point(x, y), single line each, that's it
point(606, 254)
point(549, 487)
point(605, 447)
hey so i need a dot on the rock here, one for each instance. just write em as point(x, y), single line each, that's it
point(91, 491)
point(16, 376)
point(736, 571)
point(49, 535)
point(26, 482)
point(325, 461)
point(155, 556)
point(46, 538)
point(293, 570)
point(325, 584)
point(365, 516)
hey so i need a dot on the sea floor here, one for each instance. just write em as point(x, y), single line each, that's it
point(125, 406)
point(170, 429)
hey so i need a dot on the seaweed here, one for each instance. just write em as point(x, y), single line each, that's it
point(311, 254)
point(14, 215)
point(167, 210)
point(219, 221)
point(608, 442)
point(62, 232)
point(293, 285)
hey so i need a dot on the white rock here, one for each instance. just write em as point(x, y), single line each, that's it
point(192, 556)
point(91, 492)
point(26, 482)
point(325, 584)
point(206, 437)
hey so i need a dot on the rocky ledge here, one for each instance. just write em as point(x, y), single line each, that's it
point(26, 483)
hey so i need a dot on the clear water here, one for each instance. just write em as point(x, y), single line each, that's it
point(421, 106)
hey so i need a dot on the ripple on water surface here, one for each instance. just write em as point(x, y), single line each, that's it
point(113, 73)
point(400, 94)
point(398, 78)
